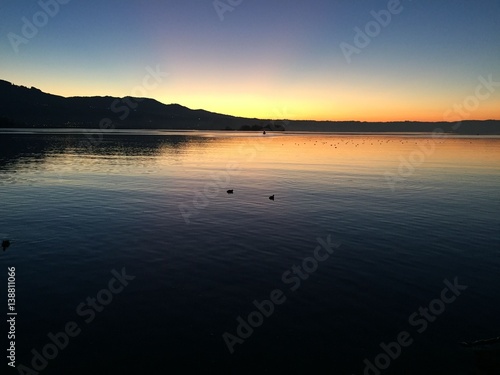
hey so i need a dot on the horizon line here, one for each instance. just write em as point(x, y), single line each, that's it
point(249, 118)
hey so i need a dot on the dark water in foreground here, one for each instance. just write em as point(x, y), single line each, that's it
point(404, 213)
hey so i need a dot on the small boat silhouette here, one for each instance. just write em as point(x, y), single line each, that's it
point(271, 197)
point(230, 191)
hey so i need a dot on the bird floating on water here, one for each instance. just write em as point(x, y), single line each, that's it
point(271, 197)
point(230, 191)
point(5, 244)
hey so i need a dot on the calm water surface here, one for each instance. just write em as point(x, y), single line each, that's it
point(407, 213)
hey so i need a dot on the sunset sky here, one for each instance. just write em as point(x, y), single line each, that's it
point(261, 58)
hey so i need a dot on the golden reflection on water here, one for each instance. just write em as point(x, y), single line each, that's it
point(257, 157)
point(333, 152)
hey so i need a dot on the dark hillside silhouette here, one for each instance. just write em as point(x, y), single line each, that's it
point(30, 107)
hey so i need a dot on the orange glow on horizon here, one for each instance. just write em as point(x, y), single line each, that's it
point(268, 99)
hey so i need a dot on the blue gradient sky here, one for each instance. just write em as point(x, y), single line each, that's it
point(267, 59)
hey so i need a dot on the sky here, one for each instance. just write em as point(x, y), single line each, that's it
point(422, 60)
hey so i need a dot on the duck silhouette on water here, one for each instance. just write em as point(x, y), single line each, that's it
point(231, 191)
point(5, 244)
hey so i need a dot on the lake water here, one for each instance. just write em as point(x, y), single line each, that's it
point(394, 216)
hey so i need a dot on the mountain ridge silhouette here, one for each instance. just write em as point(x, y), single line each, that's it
point(25, 107)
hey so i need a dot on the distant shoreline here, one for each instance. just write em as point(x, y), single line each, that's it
point(194, 132)
point(468, 127)
point(30, 108)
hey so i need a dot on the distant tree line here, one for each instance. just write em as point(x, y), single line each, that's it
point(270, 127)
